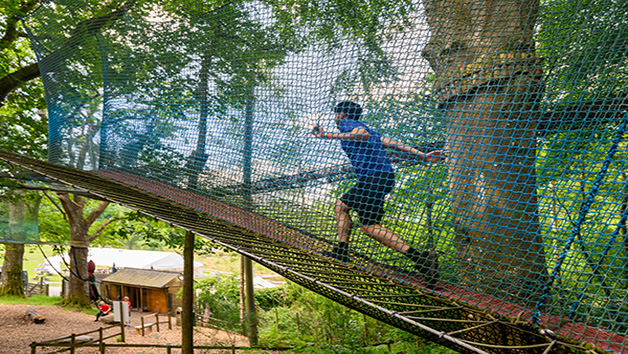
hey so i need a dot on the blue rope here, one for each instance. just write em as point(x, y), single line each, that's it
point(584, 210)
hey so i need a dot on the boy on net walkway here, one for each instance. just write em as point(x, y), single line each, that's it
point(366, 149)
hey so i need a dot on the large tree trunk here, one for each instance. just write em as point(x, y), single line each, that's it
point(11, 282)
point(488, 80)
point(80, 239)
point(22, 214)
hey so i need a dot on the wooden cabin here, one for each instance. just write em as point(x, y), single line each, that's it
point(148, 290)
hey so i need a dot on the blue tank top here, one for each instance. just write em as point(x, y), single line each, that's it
point(367, 157)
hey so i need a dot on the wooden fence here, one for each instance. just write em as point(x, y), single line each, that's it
point(168, 347)
point(37, 289)
point(73, 341)
point(149, 325)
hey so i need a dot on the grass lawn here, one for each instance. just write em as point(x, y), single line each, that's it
point(31, 300)
point(221, 261)
point(33, 257)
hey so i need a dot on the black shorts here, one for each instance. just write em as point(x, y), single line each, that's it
point(366, 198)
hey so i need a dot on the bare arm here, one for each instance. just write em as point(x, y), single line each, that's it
point(433, 156)
point(357, 134)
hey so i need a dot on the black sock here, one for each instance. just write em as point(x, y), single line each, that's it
point(342, 249)
point(414, 255)
point(426, 262)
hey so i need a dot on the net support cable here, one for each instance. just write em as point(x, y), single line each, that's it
point(458, 325)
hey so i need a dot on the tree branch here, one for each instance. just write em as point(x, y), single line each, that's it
point(102, 226)
point(16, 79)
point(65, 217)
point(96, 213)
point(600, 111)
point(91, 26)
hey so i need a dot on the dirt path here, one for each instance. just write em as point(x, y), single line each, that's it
point(17, 331)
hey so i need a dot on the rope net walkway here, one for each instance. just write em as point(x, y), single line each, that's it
point(453, 167)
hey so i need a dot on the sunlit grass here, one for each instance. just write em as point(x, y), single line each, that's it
point(30, 300)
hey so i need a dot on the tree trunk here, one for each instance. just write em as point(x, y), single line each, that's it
point(247, 263)
point(23, 213)
point(488, 81)
point(77, 294)
point(77, 290)
point(11, 282)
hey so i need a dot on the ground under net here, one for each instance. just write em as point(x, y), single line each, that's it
point(487, 139)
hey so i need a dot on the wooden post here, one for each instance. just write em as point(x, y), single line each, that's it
point(122, 331)
point(101, 342)
point(34, 348)
point(187, 320)
point(142, 320)
point(169, 321)
point(251, 311)
point(247, 163)
point(157, 321)
point(72, 342)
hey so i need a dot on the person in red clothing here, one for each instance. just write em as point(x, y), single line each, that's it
point(103, 310)
point(126, 299)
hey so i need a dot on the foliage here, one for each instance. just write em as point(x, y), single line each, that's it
point(221, 296)
point(584, 49)
point(290, 315)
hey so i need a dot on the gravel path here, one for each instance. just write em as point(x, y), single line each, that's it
point(17, 332)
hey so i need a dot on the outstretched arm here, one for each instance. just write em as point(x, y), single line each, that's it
point(433, 156)
point(357, 134)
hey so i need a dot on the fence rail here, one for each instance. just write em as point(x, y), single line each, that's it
point(72, 344)
point(168, 347)
point(141, 328)
point(37, 289)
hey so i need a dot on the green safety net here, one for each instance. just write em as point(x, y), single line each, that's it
point(17, 225)
point(237, 109)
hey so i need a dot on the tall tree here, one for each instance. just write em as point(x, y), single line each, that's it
point(20, 66)
point(80, 220)
point(22, 125)
point(23, 211)
point(488, 82)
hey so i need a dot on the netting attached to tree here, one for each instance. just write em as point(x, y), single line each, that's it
point(206, 102)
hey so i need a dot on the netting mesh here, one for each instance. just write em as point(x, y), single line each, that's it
point(217, 102)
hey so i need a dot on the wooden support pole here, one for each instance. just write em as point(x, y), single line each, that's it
point(101, 342)
point(187, 321)
point(157, 321)
point(122, 331)
point(251, 311)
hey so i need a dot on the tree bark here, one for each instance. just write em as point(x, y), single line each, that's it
point(247, 263)
point(11, 282)
point(488, 80)
point(13, 80)
point(17, 78)
point(23, 213)
point(77, 294)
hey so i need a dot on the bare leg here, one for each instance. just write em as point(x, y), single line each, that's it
point(343, 221)
point(386, 237)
